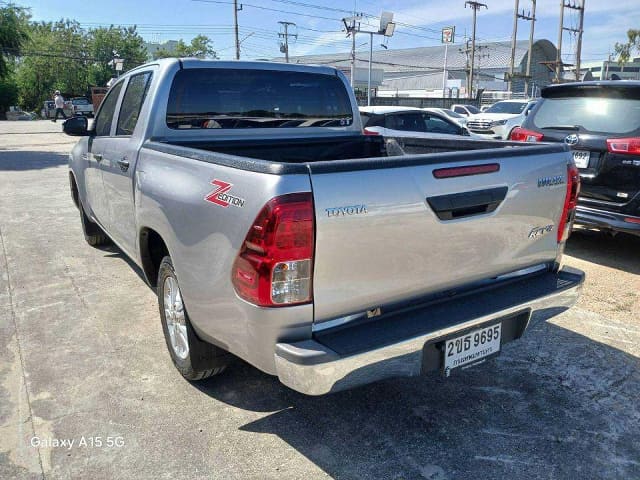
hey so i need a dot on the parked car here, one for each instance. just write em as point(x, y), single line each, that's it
point(299, 246)
point(465, 110)
point(450, 114)
point(493, 122)
point(600, 121)
point(49, 109)
point(408, 122)
point(82, 106)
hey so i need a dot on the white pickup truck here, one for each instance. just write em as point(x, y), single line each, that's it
point(274, 230)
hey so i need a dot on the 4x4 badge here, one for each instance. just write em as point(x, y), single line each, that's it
point(571, 139)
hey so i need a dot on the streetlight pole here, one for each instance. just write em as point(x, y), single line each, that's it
point(370, 62)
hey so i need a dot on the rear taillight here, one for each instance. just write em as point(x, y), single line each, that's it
point(275, 264)
point(570, 203)
point(370, 132)
point(629, 146)
point(520, 134)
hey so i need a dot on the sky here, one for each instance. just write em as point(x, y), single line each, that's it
point(318, 23)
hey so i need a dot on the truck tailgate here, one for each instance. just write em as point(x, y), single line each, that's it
point(388, 230)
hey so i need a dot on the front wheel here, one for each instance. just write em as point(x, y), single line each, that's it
point(93, 234)
point(194, 358)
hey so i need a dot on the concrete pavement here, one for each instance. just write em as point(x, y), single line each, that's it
point(83, 360)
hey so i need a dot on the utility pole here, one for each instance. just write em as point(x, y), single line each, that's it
point(284, 47)
point(533, 26)
point(475, 6)
point(352, 26)
point(528, 17)
point(235, 21)
point(580, 9)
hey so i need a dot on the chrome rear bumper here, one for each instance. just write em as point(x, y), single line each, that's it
point(313, 367)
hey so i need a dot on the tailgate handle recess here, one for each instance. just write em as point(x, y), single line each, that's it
point(467, 204)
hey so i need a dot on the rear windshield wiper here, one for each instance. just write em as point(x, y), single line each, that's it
point(561, 127)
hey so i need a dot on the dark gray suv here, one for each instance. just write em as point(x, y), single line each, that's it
point(600, 121)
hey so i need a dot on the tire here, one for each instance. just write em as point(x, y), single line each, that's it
point(93, 234)
point(195, 359)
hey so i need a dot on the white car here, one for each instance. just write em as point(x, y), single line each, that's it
point(409, 122)
point(465, 110)
point(456, 117)
point(500, 119)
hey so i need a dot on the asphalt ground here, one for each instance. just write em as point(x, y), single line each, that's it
point(83, 360)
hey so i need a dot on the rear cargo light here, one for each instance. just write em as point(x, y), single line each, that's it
point(275, 264)
point(632, 219)
point(629, 146)
point(370, 132)
point(570, 203)
point(520, 134)
point(466, 170)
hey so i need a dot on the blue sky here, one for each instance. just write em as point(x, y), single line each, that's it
point(605, 22)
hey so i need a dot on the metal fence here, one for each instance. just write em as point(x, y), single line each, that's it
point(418, 102)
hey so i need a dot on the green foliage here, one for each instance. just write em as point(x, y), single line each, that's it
point(105, 43)
point(13, 35)
point(8, 94)
point(200, 47)
point(625, 50)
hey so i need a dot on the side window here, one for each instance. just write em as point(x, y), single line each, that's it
point(105, 116)
point(409, 122)
point(459, 110)
point(438, 125)
point(132, 102)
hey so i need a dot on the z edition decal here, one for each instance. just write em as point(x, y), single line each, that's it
point(221, 197)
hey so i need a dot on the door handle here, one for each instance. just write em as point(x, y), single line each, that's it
point(98, 157)
point(124, 164)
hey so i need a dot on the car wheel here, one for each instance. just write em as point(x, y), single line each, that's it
point(194, 358)
point(93, 234)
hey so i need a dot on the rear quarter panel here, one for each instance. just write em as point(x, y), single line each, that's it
point(203, 239)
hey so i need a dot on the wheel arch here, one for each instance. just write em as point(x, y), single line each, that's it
point(153, 249)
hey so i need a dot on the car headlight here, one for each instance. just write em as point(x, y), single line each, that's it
point(498, 122)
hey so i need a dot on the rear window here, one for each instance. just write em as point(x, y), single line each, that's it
point(239, 98)
point(506, 107)
point(80, 101)
point(592, 114)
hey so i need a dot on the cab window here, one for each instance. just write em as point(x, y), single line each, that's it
point(132, 102)
point(105, 116)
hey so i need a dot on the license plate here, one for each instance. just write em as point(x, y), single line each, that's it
point(581, 158)
point(471, 347)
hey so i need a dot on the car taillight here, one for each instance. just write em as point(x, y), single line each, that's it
point(520, 134)
point(370, 132)
point(570, 202)
point(274, 266)
point(629, 146)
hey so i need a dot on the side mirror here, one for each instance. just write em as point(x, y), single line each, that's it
point(76, 126)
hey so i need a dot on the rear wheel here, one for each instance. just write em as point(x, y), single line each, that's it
point(93, 234)
point(194, 358)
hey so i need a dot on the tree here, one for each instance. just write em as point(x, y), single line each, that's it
point(13, 35)
point(104, 44)
point(624, 50)
point(54, 58)
point(200, 47)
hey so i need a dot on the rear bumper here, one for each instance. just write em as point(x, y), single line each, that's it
point(407, 343)
point(593, 218)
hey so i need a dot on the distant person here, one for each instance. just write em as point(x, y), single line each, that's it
point(59, 101)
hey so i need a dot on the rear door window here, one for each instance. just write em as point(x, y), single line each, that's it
point(246, 98)
point(406, 122)
point(132, 103)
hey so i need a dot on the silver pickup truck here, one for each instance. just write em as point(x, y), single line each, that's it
point(275, 231)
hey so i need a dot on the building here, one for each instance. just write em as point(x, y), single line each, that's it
point(612, 70)
point(419, 71)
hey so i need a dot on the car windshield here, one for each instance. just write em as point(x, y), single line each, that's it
point(245, 98)
point(451, 113)
point(472, 109)
point(593, 114)
point(507, 107)
point(80, 101)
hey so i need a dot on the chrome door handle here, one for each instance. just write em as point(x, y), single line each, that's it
point(124, 164)
point(98, 157)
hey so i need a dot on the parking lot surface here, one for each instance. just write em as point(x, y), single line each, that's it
point(83, 360)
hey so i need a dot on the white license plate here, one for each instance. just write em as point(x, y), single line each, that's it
point(472, 347)
point(581, 158)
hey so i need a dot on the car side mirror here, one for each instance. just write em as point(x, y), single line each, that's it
point(76, 126)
